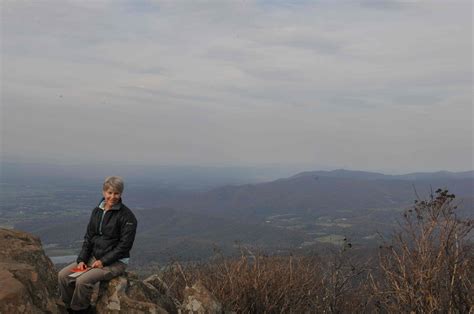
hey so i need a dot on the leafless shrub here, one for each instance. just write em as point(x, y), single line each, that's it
point(428, 265)
point(255, 283)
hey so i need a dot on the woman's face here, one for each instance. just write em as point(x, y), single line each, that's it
point(111, 197)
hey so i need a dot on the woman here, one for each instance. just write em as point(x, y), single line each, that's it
point(105, 251)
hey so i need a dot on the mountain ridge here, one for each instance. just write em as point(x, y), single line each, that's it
point(344, 173)
point(298, 211)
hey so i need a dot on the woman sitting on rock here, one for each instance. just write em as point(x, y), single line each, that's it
point(106, 249)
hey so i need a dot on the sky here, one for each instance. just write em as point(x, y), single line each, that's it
point(376, 85)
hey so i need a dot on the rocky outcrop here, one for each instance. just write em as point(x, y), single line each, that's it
point(28, 284)
point(127, 294)
point(198, 300)
point(27, 276)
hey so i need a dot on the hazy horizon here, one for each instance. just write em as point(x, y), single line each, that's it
point(290, 169)
point(383, 86)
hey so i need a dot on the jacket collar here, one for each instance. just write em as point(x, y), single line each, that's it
point(115, 207)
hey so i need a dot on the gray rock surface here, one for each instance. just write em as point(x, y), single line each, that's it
point(158, 284)
point(198, 300)
point(127, 294)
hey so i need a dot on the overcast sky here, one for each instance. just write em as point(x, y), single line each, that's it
point(371, 85)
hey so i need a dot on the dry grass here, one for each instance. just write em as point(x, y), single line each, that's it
point(427, 267)
point(255, 283)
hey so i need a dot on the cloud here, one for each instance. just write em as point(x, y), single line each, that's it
point(234, 82)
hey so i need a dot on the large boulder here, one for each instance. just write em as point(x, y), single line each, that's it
point(28, 284)
point(198, 300)
point(27, 276)
point(127, 294)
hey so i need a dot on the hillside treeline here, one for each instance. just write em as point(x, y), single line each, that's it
point(425, 267)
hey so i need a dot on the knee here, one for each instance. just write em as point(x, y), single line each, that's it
point(63, 275)
point(83, 283)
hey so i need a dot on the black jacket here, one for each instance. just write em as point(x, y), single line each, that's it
point(111, 241)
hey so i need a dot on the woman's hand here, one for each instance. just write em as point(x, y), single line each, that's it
point(97, 264)
point(81, 266)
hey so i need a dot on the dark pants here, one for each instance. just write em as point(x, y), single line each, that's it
point(76, 292)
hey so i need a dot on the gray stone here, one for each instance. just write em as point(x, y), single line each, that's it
point(158, 283)
point(197, 299)
point(127, 294)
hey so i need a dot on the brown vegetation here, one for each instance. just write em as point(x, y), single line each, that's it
point(263, 284)
point(426, 267)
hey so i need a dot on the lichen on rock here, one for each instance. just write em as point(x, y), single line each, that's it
point(198, 300)
point(127, 294)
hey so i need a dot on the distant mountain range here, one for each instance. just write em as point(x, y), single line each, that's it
point(299, 212)
point(342, 173)
point(324, 192)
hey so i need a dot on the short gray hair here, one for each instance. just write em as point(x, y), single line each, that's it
point(114, 183)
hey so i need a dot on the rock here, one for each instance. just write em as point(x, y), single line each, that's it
point(127, 294)
point(161, 293)
point(158, 284)
point(27, 275)
point(28, 283)
point(199, 300)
